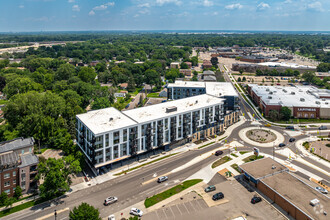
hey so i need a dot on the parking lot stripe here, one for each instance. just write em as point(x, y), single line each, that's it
point(192, 205)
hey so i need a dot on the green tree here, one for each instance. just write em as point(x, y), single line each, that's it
point(18, 192)
point(131, 84)
point(65, 72)
point(87, 74)
point(214, 61)
point(285, 113)
point(21, 85)
point(9, 202)
point(308, 76)
point(172, 74)
point(241, 71)
point(273, 115)
point(56, 174)
point(84, 211)
point(151, 77)
point(3, 198)
point(244, 79)
point(239, 79)
point(323, 67)
point(100, 103)
point(184, 65)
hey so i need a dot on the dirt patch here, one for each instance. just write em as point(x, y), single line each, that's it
point(261, 135)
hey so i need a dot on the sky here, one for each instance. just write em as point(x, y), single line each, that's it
point(97, 15)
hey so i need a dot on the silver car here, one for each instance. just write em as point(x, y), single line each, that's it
point(321, 190)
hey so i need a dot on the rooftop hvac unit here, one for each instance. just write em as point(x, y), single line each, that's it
point(317, 102)
point(284, 90)
point(323, 99)
point(293, 93)
point(171, 109)
point(302, 99)
point(269, 97)
point(271, 93)
point(267, 90)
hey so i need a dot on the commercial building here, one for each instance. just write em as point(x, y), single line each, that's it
point(107, 135)
point(292, 194)
point(279, 66)
point(184, 89)
point(18, 165)
point(322, 75)
point(304, 101)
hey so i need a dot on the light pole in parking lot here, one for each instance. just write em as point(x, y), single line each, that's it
point(55, 214)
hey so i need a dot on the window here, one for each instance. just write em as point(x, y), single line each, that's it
point(14, 173)
point(124, 135)
point(6, 176)
point(23, 186)
point(14, 181)
point(7, 183)
point(7, 191)
point(107, 140)
point(30, 149)
point(23, 151)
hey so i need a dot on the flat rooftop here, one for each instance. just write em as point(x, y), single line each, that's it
point(298, 193)
point(15, 144)
point(150, 113)
point(293, 96)
point(218, 89)
point(102, 120)
point(262, 167)
point(287, 65)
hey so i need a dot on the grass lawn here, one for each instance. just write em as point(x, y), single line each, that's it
point(17, 208)
point(235, 166)
point(234, 155)
point(252, 158)
point(205, 145)
point(153, 95)
point(170, 192)
point(244, 152)
point(134, 168)
point(221, 161)
point(303, 121)
point(2, 102)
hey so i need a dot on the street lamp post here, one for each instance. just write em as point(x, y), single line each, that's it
point(55, 214)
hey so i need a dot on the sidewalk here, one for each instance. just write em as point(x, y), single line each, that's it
point(20, 202)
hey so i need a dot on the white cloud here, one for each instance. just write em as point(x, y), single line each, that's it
point(207, 3)
point(104, 6)
point(21, 6)
point(75, 8)
point(234, 6)
point(315, 6)
point(262, 6)
point(145, 5)
point(71, 1)
point(162, 2)
point(91, 13)
point(287, 2)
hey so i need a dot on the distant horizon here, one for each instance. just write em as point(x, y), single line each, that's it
point(185, 31)
point(137, 15)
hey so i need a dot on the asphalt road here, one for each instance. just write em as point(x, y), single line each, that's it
point(127, 188)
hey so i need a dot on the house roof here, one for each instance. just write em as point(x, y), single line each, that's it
point(16, 144)
point(29, 160)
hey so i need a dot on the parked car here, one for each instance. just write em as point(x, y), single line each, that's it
point(323, 127)
point(218, 196)
point(289, 127)
point(210, 188)
point(292, 139)
point(136, 212)
point(162, 179)
point(218, 152)
point(111, 217)
point(322, 190)
point(281, 145)
point(255, 199)
point(110, 200)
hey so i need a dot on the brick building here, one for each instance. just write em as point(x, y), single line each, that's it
point(18, 165)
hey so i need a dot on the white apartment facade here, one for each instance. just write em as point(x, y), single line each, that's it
point(107, 135)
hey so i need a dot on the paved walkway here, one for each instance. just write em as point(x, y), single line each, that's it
point(21, 202)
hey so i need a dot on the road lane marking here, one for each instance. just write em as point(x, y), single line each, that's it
point(153, 179)
point(52, 214)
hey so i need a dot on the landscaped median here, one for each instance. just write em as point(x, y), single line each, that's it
point(170, 192)
point(134, 168)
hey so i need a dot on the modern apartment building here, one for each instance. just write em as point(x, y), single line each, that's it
point(107, 135)
point(184, 89)
point(18, 165)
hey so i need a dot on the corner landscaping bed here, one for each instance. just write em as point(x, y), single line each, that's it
point(221, 161)
point(170, 192)
point(252, 158)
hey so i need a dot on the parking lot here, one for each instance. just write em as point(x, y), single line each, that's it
point(199, 205)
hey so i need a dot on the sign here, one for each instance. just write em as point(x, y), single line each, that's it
point(256, 151)
point(306, 109)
